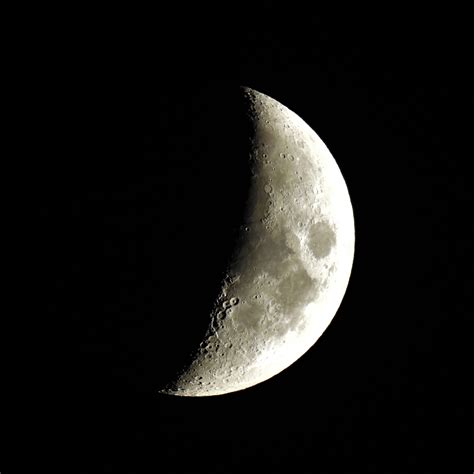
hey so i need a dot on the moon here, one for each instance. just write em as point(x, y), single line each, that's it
point(292, 261)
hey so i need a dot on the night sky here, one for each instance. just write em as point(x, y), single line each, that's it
point(141, 212)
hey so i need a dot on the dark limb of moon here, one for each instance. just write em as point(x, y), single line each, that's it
point(198, 190)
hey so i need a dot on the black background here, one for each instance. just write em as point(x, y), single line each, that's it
point(139, 215)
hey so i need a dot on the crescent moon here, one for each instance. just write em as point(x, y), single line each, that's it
point(291, 266)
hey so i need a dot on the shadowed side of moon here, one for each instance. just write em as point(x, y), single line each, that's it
point(205, 191)
point(157, 236)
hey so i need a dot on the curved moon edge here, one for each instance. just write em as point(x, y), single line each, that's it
point(291, 269)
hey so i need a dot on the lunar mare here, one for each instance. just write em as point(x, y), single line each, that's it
point(292, 264)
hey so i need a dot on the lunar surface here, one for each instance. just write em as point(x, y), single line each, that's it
point(291, 264)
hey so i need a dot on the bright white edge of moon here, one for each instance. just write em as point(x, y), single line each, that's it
point(236, 355)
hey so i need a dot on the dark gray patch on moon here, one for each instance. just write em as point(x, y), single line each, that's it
point(269, 256)
point(321, 239)
point(295, 290)
point(250, 317)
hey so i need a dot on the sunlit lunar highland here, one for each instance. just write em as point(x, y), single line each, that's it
point(291, 264)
